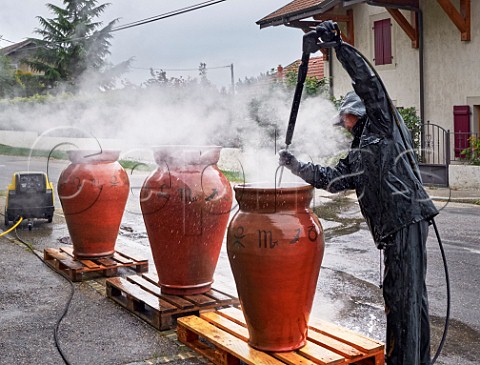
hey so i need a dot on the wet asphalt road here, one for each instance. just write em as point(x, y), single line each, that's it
point(354, 263)
point(348, 292)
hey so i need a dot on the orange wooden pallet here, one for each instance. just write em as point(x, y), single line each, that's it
point(221, 336)
point(63, 261)
point(142, 296)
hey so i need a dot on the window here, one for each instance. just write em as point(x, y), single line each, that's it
point(382, 32)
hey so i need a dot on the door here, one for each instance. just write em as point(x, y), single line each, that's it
point(461, 128)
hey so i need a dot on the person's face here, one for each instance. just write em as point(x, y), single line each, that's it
point(349, 121)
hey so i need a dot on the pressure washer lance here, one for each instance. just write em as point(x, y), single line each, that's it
point(311, 44)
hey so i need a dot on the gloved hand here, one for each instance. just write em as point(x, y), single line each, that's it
point(288, 160)
point(328, 31)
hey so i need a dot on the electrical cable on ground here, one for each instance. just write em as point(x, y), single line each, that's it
point(72, 289)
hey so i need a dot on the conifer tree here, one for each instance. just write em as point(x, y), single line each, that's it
point(72, 44)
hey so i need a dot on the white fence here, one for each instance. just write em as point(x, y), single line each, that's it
point(460, 176)
point(228, 159)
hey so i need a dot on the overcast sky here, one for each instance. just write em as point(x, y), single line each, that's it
point(218, 35)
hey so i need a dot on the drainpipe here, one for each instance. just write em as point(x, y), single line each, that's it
point(422, 79)
point(330, 71)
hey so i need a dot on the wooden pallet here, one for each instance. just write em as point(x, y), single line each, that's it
point(142, 296)
point(221, 336)
point(63, 261)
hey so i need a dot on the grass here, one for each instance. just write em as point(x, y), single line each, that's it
point(135, 165)
point(233, 176)
point(22, 151)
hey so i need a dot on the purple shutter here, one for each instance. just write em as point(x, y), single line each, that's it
point(378, 37)
point(387, 42)
point(461, 127)
point(382, 32)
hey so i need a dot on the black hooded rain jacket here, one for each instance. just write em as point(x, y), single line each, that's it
point(381, 165)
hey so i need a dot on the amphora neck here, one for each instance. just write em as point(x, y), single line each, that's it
point(266, 198)
point(181, 156)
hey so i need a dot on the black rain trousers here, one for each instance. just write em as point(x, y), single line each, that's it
point(405, 295)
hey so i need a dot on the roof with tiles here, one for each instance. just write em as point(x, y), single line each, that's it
point(297, 7)
point(301, 9)
point(15, 47)
point(315, 67)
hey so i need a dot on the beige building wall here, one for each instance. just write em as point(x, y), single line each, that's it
point(402, 77)
point(452, 67)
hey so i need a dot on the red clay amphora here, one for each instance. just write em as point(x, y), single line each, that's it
point(275, 247)
point(186, 204)
point(93, 191)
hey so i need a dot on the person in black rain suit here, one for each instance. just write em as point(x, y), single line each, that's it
point(383, 170)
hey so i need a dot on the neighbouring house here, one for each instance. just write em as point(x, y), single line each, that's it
point(425, 51)
point(17, 52)
point(315, 68)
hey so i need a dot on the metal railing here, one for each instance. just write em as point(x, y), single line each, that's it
point(441, 146)
point(434, 144)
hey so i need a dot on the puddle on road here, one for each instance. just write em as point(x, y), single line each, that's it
point(66, 240)
point(461, 339)
point(350, 302)
point(343, 211)
point(133, 228)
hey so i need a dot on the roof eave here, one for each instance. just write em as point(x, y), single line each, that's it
point(305, 13)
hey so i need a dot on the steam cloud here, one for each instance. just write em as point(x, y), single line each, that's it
point(255, 119)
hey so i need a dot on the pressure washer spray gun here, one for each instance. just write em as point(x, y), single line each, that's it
point(311, 44)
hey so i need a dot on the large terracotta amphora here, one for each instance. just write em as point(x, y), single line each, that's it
point(275, 247)
point(93, 191)
point(186, 203)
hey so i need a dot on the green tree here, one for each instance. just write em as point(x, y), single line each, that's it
point(7, 77)
point(202, 72)
point(472, 153)
point(413, 123)
point(160, 79)
point(72, 44)
point(312, 86)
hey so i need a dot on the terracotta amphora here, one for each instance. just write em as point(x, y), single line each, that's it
point(275, 247)
point(93, 191)
point(186, 204)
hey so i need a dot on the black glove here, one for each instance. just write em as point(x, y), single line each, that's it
point(288, 160)
point(328, 31)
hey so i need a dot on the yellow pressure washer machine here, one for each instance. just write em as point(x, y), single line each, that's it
point(29, 195)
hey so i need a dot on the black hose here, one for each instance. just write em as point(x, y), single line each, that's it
point(447, 279)
point(67, 305)
point(445, 265)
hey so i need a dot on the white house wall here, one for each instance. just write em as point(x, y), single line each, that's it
point(452, 67)
point(402, 77)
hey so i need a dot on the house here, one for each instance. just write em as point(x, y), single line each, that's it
point(17, 52)
point(315, 68)
point(425, 51)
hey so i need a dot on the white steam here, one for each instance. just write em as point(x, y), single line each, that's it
point(255, 119)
